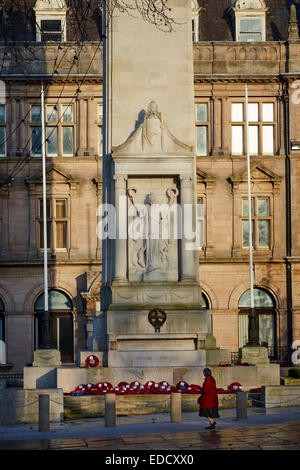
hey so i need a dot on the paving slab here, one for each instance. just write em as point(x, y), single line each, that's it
point(262, 430)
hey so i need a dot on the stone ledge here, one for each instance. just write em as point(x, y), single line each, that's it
point(275, 396)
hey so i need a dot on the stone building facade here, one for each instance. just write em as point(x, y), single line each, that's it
point(247, 42)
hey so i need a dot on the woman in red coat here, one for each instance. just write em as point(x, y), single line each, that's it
point(208, 400)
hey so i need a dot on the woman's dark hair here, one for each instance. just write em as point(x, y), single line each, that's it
point(206, 371)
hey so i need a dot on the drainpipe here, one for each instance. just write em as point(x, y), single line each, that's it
point(289, 323)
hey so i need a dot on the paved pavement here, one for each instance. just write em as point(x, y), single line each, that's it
point(273, 429)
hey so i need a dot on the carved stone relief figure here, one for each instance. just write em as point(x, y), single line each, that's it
point(152, 128)
point(151, 230)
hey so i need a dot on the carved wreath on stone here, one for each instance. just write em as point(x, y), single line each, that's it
point(157, 318)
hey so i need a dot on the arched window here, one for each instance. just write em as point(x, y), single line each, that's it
point(204, 303)
point(60, 307)
point(57, 300)
point(2, 326)
point(265, 305)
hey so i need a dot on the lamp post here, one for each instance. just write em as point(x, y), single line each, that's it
point(46, 327)
point(253, 328)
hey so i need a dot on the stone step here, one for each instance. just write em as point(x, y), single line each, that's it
point(289, 381)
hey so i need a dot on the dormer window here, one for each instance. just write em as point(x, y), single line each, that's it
point(51, 20)
point(250, 20)
point(51, 30)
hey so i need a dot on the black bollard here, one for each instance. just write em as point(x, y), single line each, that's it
point(241, 405)
point(110, 410)
point(44, 413)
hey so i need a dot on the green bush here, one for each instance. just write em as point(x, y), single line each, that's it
point(295, 373)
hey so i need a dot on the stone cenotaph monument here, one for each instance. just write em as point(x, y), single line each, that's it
point(154, 317)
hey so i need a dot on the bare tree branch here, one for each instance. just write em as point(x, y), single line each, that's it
point(156, 12)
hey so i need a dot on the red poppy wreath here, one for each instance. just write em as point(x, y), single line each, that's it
point(92, 361)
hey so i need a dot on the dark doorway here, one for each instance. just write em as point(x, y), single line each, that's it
point(60, 307)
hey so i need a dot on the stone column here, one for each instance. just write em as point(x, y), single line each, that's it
point(276, 209)
point(217, 126)
point(280, 120)
point(186, 198)
point(121, 228)
point(92, 134)
point(82, 129)
point(225, 127)
point(209, 224)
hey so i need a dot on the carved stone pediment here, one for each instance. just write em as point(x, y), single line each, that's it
point(54, 175)
point(250, 5)
point(59, 5)
point(205, 178)
point(259, 173)
point(152, 138)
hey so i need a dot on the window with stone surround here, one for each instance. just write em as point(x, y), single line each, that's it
point(2, 130)
point(202, 128)
point(60, 130)
point(57, 224)
point(51, 22)
point(36, 130)
point(262, 125)
point(261, 222)
point(51, 30)
point(60, 125)
point(250, 20)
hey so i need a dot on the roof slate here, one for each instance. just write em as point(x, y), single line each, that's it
point(214, 23)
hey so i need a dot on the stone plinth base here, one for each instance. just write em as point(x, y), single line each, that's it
point(254, 355)
point(215, 356)
point(22, 406)
point(68, 378)
point(46, 358)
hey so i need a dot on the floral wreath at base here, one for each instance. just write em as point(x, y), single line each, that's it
point(149, 388)
point(235, 387)
point(92, 361)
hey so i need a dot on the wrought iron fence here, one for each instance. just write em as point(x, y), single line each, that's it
point(279, 355)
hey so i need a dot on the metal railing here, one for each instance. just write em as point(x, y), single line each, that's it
point(278, 355)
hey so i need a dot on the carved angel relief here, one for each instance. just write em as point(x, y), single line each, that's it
point(150, 231)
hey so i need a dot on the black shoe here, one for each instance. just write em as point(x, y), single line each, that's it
point(211, 426)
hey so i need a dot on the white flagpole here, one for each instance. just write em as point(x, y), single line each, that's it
point(44, 200)
point(252, 312)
